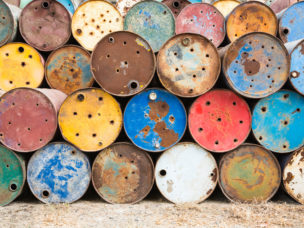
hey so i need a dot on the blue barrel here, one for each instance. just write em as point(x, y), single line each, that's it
point(155, 120)
point(58, 173)
point(296, 68)
point(68, 5)
point(278, 121)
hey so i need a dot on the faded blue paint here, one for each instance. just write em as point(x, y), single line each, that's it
point(6, 23)
point(280, 107)
point(68, 5)
point(54, 168)
point(297, 65)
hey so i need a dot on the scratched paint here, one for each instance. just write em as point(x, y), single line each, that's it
point(58, 173)
point(296, 76)
point(249, 174)
point(225, 6)
point(176, 6)
point(155, 120)
point(6, 24)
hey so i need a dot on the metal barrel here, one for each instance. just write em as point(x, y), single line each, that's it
point(68, 4)
point(278, 5)
point(186, 173)
point(90, 119)
point(151, 20)
point(256, 65)
point(219, 120)
point(122, 173)
point(296, 76)
point(93, 20)
point(68, 69)
point(249, 174)
point(55, 96)
point(226, 6)
point(251, 17)
point(7, 25)
point(155, 120)
point(203, 19)
point(58, 173)
point(45, 24)
point(176, 6)
point(188, 65)
point(123, 63)
point(123, 6)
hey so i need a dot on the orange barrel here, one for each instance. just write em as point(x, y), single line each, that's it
point(176, 6)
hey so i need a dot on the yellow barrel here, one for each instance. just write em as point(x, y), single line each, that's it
point(226, 6)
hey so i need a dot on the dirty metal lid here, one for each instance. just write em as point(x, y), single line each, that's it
point(203, 19)
point(93, 20)
point(123, 63)
point(249, 173)
point(6, 24)
point(188, 65)
point(276, 121)
point(68, 69)
point(58, 173)
point(90, 119)
point(123, 6)
point(296, 76)
point(248, 17)
point(133, 177)
point(186, 173)
point(219, 120)
point(155, 120)
point(225, 6)
point(28, 120)
point(256, 65)
point(151, 20)
point(176, 6)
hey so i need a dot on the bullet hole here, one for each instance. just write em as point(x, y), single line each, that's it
point(285, 122)
point(45, 5)
point(9, 122)
point(120, 155)
point(133, 85)
point(40, 140)
point(108, 11)
point(23, 64)
point(250, 85)
point(97, 27)
point(298, 110)
point(6, 54)
point(216, 142)
point(125, 42)
point(213, 26)
point(267, 65)
point(286, 96)
point(203, 69)
point(137, 52)
point(100, 98)
point(260, 138)
point(11, 82)
point(234, 103)
point(111, 39)
point(234, 71)
point(279, 68)
point(272, 47)
point(176, 69)
point(13, 187)
point(284, 146)
point(7, 166)
point(208, 103)
point(126, 177)
point(1, 134)
point(75, 113)
point(263, 46)
point(190, 90)
point(45, 194)
point(19, 144)
point(79, 31)
point(194, 76)
point(162, 172)
point(21, 49)
point(241, 121)
point(46, 120)
point(112, 122)
point(264, 109)
point(250, 42)
point(285, 31)
point(108, 56)
point(175, 53)
point(80, 97)
point(77, 134)
point(3, 18)
point(73, 152)
point(268, 76)
point(200, 129)
point(235, 140)
point(191, 50)
point(235, 35)
point(117, 70)
point(29, 129)
point(13, 103)
point(176, 4)
point(133, 172)
point(94, 135)
point(236, 61)
point(89, 116)
point(269, 60)
point(72, 70)
point(207, 55)
point(100, 143)
point(110, 21)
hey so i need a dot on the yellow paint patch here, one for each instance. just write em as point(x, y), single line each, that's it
point(142, 43)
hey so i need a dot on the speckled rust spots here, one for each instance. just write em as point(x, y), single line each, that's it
point(145, 131)
point(289, 178)
point(214, 175)
point(168, 136)
point(158, 110)
point(251, 66)
point(302, 154)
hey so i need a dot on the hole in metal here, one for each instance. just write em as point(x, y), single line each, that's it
point(13, 187)
point(162, 172)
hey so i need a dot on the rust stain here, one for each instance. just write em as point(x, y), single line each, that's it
point(145, 130)
point(289, 178)
point(168, 136)
point(214, 175)
point(251, 66)
point(209, 191)
point(301, 170)
point(302, 154)
point(158, 110)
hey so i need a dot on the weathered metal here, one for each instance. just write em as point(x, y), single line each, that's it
point(186, 173)
point(122, 173)
point(7, 26)
point(123, 63)
point(203, 19)
point(256, 65)
point(13, 2)
point(226, 6)
point(251, 17)
point(123, 6)
point(68, 69)
point(279, 5)
point(249, 173)
point(151, 20)
point(58, 173)
point(93, 20)
point(55, 96)
point(296, 76)
point(176, 6)
point(155, 120)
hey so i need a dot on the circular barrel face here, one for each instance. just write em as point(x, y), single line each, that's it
point(203, 19)
point(123, 63)
point(123, 173)
point(186, 173)
point(251, 17)
point(90, 119)
point(58, 173)
point(249, 174)
point(226, 6)
point(6, 24)
point(155, 120)
point(256, 65)
point(45, 24)
point(123, 6)
point(68, 69)
point(176, 6)
point(296, 76)
point(151, 20)
point(28, 120)
point(93, 20)
point(277, 120)
point(20, 66)
point(219, 120)
point(188, 65)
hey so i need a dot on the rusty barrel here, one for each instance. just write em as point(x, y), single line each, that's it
point(256, 65)
point(58, 173)
point(188, 65)
point(226, 6)
point(155, 120)
point(68, 69)
point(249, 173)
point(123, 63)
point(203, 19)
point(176, 6)
point(122, 173)
point(219, 120)
point(296, 76)
point(8, 24)
point(151, 20)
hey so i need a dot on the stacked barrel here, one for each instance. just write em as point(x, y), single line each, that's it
point(125, 94)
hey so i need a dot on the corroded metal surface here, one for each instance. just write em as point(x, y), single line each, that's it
point(6, 24)
point(123, 6)
point(28, 120)
point(90, 119)
point(219, 120)
point(176, 6)
point(296, 76)
point(203, 19)
point(68, 69)
point(188, 65)
point(277, 120)
point(58, 173)
point(186, 173)
point(249, 174)
point(250, 17)
point(123, 63)
point(151, 20)
point(123, 173)
point(256, 65)
point(45, 24)
point(226, 6)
